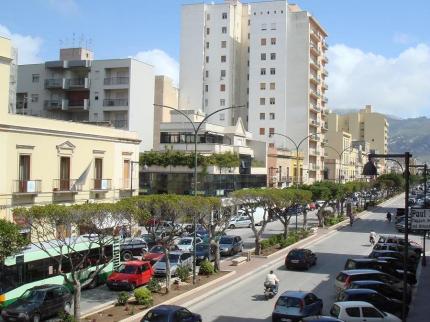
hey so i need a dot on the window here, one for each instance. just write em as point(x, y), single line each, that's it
point(262, 101)
point(273, 41)
point(263, 71)
point(222, 87)
point(263, 26)
point(272, 86)
point(65, 173)
point(223, 59)
point(208, 17)
point(271, 131)
point(208, 31)
point(263, 56)
point(224, 30)
point(34, 98)
point(207, 44)
point(272, 101)
point(223, 44)
point(272, 116)
point(223, 73)
point(273, 26)
point(206, 88)
point(249, 22)
point(207, 59)
point(222, 102)
point(353, 311)
point(370, 312)
point(207, 73)
point(35, 78)
point(221, 116)
point(272, 56)
point(224, 15)
point(262, 116)
point(263, 86)
point(24, 172)
point(206, 102)
point(262, 131)
point(263, 41)
point(272, 71)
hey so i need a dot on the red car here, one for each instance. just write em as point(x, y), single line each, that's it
point(155, 253)
point(130, 275)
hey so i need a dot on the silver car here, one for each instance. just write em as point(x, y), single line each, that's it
point(176, 259)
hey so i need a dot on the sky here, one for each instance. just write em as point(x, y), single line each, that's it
point(379, 51)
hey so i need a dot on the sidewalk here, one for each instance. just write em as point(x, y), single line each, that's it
point(420, 308)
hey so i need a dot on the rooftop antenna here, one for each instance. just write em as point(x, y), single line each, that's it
point(81, 40)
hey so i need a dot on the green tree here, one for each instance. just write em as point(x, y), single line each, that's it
point(11, 240)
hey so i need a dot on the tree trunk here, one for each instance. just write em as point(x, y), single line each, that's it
point(166, 255)
point(217, 263)
point(257, 245)
point(77, 299)
point(320, 217)
point(305, 219)
point(285, 234)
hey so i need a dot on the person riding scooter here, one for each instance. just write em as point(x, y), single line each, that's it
point(272, 281)
point(372, 237)
point(389, 216)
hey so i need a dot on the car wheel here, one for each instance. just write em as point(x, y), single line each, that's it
point(250, 225)
point(126, 256)
point(67, 308)
point(36, 318)
point(232, 226)
point(132, 286)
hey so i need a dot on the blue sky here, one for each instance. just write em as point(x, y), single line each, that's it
point(370, 41)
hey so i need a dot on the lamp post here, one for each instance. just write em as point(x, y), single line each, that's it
point(297, 146)
point(196, 131)
point(370, 169)
point(132, 163)
point(340, 158)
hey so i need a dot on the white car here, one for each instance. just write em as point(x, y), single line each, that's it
point(358, 311)
point(186, 243)
point(239, 222)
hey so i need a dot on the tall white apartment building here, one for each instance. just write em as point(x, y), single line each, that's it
point(267, 56)
point(78, 88)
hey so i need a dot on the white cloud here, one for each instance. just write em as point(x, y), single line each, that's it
point(162, 62)
point(398, 86)
point(65, 7)
point(28, 46)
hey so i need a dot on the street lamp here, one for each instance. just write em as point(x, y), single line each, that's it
point(370, 169)
point(196, 131)
point(297, 146)
point(340, 157)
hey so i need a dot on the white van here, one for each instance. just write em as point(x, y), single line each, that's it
point(242, 220)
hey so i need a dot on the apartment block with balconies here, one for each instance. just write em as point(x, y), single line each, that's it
point(115, 92)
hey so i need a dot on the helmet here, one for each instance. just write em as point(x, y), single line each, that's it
point(271, 272)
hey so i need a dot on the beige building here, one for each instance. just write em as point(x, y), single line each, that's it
point(47, 161)
point(282, 167)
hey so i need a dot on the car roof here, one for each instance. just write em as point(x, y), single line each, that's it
point(363, 259)
point(45, 287)
point(298, 294)
point(347, 304)
point(367, 282)
point(320, 318)
point(385, 251)
point(299, 249)
point(359, 291)
point(135, 263)
point(360, 271)
point(166, 308)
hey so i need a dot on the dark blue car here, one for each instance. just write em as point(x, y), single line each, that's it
point(171, 313)
point(295, 305)
point(204, 252)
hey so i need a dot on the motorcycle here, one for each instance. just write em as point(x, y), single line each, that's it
point(270, 290)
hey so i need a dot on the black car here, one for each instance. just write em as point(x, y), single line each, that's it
point(380, 301)
point(398, 263)
point(39, 303)
point(204, 252)
point(383, 288)
point(392, 253)
point(300, 258)
point(131, 247)
point(170, 313)
point(380, 265)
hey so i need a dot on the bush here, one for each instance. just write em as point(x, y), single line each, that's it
point(123, 298)
point(154, 285)
point(284, 243)
point(264, 244)
point(206, 268)
point(143, 296)
point(183, 273)
point(64, 317)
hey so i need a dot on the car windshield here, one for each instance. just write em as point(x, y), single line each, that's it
point(173, 258)
point(127, 269)
point(296, 254)
point(289, 302)
point(226, 240)
point(185, 242)
point(157, 249)
point(201, 247)
point(155, 317)
point(34, 296)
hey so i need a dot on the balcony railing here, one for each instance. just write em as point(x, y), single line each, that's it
point(54, 83)
point(117, 81)
point(21, 104)
point(77, 83)
point(315, 107)
point(115, 102)
point(325, 73)
point(78, 104)
point(66, 185)
point(120, 124)
point(101, 184)
point(315, 49)
point(27, 186)
point(79, 63)
point(55, 64)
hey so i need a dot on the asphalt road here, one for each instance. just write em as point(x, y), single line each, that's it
point(244, 301)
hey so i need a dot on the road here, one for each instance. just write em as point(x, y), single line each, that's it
point(245, 302)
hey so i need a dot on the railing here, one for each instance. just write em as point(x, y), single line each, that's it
point(119, 123)
point(27, 186)
point(54, 83)
point(101, 184)
point(77, 82)
point(314, 107)
point(117, 81)
point(325, 73)
point(325, 99)
point(115, 102)
point(79, 63)
point(75, 104)
point(53, 104)
point(315, 48)
point(66, 185)
point(21, 104)
point(55, 64)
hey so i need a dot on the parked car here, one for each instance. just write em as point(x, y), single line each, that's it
point(186, 243)
point(131, 247)
point(230, 245)
point(130, 275)
point(311, 206)
point(320, 318)
point(359, 311)
point(176, 259)
point(397, 263)
point(154, 254)
point(300, 258)
point(149, 239)
point(204, 252)
point(379, 265)
point(385, 289)
point(319, 203)
point(294, 305)
point(295, 210)
point(380, 301)
point(170, 313)
point(398, 248)
point(39, 303)
point(401, 241)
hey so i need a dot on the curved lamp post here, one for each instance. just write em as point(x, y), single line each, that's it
point(196, 131)
point(340, 154)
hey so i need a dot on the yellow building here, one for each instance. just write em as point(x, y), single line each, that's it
point(46, 161)
point(282, 167)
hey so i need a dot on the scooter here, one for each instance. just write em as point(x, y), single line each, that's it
point(270, 291)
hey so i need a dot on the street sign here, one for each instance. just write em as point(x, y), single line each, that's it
point(420, 219)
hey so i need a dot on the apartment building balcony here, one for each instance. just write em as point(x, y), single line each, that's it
point(26, 187)
point(115, 104)
point(101, 184)
point(314, 123)
point(54, 83)
point(314, 35)
point(324, 127)
point(78, 104)
point(325, 60)
point(314, 138)
point(79, 63)
point(325, 100)
point(313, 93)
point(119, 124)
point(324, 45)
point(52, 105)
point(314, 50)
point(324, 141)
point(21, 104)
point(117, 82)
point(314, 64)
point(314, 108)
point(66, 186)
point(314, 79)
point(312, 167)
point(325, 86)
point(325, 73)
point(54, 64)
point(77, 83)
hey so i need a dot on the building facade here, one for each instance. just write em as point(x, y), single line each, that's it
point(47, 161)
point(118, 92)
point(266, 56)
point(282, 167)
